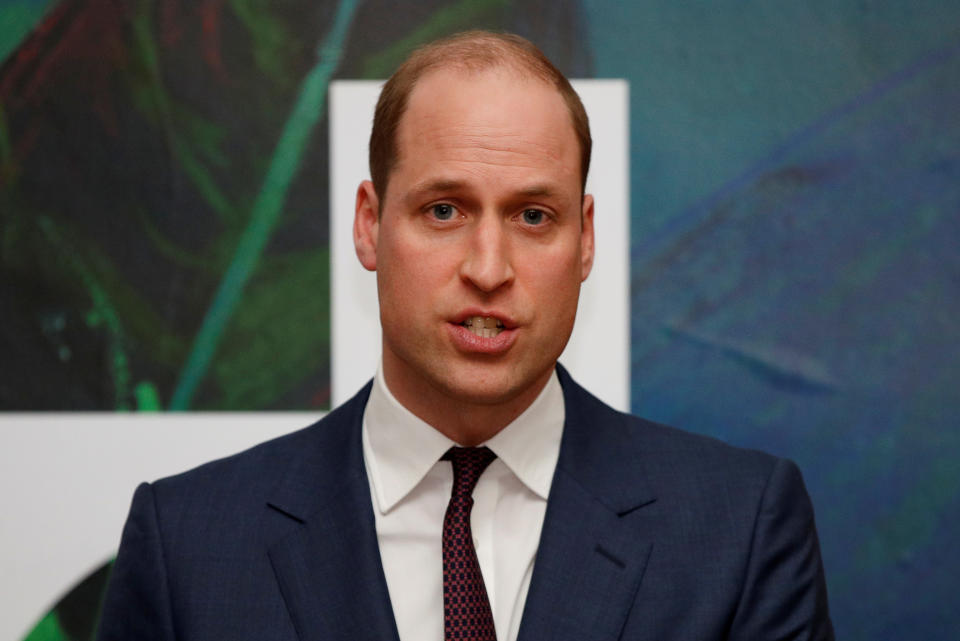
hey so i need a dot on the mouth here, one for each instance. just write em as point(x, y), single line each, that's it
point(483, 326)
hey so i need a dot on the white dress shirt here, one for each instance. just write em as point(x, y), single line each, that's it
point(410, 487)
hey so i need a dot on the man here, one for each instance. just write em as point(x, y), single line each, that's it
point(473, 490)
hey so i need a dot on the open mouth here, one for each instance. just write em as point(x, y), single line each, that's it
point(483, 326)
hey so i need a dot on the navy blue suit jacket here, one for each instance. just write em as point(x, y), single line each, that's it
point(650, 533)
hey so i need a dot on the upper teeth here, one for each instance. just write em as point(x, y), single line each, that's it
point(484, 326)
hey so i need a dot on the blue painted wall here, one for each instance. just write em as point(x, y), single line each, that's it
point(796, 267)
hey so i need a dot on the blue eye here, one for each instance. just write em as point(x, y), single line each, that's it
point(532, 216)
point(443, 211)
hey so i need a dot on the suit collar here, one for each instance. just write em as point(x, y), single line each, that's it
point(593, 550)
point(323, 462)
point(327, 559)
point(600, 452)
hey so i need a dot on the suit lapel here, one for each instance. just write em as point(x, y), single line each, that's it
point(593, 550)
point(327, 561)
point(589, 565)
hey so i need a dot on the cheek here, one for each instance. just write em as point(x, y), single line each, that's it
point(559, 263)
point(412, 267)
point(555, 276)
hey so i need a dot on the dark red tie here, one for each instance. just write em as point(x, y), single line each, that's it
point(466, 608)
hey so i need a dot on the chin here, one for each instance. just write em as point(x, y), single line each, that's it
point(486, 388)
point(493, 397)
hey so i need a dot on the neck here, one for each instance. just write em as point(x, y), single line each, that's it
point(468, 422)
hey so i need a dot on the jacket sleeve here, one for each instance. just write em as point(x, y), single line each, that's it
point(784, 593)
point(137, 601)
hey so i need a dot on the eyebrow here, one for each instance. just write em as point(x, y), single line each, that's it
point(537, 190)
point(433, 185)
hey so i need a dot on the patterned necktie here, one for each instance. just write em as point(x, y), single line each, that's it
point(466, 609)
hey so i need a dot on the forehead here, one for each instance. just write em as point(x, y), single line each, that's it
point(486, 122)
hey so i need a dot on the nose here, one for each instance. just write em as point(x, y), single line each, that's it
point(487, 263)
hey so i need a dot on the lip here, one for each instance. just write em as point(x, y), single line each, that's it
point(466, 341)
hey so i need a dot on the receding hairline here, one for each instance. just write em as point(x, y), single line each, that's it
point(473, 52)
point(477, 51)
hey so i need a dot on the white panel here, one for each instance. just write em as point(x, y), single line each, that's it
point(66, 481)
point(354, 312)
point(598, 354)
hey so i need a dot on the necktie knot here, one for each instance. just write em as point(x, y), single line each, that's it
point(468, 464)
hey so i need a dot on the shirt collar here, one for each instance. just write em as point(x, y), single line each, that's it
point(400, 448)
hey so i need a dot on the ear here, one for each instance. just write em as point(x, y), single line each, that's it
point(366, 225)
point(586, 237)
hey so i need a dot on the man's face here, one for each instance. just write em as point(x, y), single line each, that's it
point(482, 241)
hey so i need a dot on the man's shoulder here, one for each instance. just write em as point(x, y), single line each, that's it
point(687, 448)
point(662, 450)
point(261, 467)
point(689, 463)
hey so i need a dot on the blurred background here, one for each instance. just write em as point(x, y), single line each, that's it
point(795, 234)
